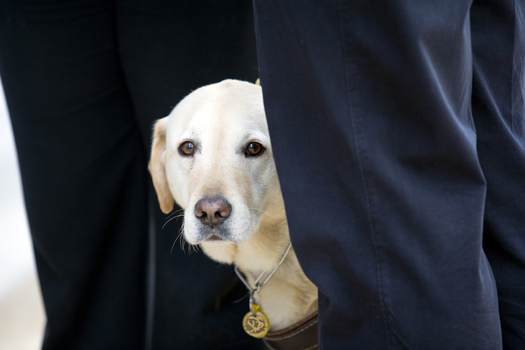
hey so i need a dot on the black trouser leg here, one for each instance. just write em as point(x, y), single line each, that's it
point(498, 41)
point(84, 82)
point(166, 53)
point(369, 109)
point(82, 164)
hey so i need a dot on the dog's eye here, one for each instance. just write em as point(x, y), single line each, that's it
point(254, 149)
point(187, 148)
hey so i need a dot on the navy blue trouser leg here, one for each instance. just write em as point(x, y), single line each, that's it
point(387, 189)
point(498, 106)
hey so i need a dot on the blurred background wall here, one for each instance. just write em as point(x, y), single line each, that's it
point(22, 318)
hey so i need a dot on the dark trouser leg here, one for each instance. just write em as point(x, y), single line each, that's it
point(69, 103)
point(82, 164)
point(168, 50)
point(368, 105)
point(498, 41)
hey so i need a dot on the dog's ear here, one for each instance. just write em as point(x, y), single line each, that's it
point(157, 166)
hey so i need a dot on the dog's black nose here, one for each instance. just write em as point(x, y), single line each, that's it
point(213, 211)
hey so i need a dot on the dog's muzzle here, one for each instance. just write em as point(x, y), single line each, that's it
point(212, 212)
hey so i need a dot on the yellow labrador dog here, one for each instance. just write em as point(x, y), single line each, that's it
point(213, 156)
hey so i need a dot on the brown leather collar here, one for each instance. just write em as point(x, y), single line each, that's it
point(299, 336)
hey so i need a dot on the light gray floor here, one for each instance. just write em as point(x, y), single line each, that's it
point(22, 317)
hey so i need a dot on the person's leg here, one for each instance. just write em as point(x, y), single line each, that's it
point(83, 169)
point(172, 47)
point(169, 48)
point(368, 105)
point(498, 41)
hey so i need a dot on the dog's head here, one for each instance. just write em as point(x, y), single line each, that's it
point(213, 156)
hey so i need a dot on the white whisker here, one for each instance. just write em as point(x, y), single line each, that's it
point(195, 248)
point(173, 218)
point(182, 239)
point(175, 213)
point(262, 211)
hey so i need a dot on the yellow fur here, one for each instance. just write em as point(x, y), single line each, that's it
point(221, 119)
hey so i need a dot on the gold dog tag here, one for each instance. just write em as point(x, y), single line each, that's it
point(256, 323)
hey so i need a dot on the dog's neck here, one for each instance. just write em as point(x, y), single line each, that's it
point(289, 296)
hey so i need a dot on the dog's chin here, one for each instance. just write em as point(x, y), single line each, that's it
point(214, 240)
point(212, 236)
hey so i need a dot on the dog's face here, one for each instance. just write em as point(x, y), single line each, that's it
point(213, 156)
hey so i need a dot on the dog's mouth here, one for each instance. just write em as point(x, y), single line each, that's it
point(214, 238)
